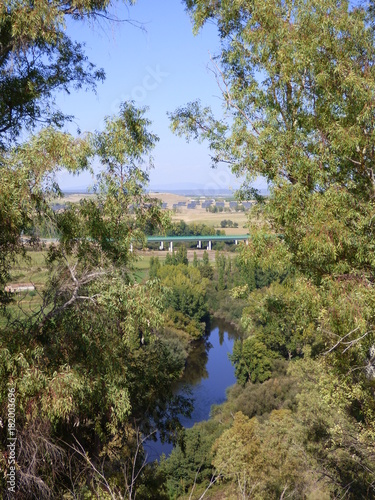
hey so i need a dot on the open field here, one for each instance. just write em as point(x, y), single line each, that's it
point(30, 270)
point(170, 198)
point(198, 215)
point(74, 197)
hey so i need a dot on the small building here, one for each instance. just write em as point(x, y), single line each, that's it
point(19, 287)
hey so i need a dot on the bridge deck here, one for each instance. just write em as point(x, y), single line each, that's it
point(226, 237)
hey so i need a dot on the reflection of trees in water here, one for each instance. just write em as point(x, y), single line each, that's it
point(221, 335)
point(224, 327)
point(196, 365)
point(195, 369)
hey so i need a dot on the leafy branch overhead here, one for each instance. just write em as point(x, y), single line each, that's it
point(38, 59)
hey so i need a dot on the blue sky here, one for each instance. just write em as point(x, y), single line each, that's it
point(163, 67)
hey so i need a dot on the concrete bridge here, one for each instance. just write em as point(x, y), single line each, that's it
point(198, 238)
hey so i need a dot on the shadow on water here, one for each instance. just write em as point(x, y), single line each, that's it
point(207, 376)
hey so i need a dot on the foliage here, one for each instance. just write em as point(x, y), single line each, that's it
point(252, 360)
point(228, 223)
point(27, 177)
point(214, 209)
point(263, 460)
point(181, 228)
point(205, 268)
point(179, 257)
point(297, 78)
point(260, 399)
point(236, 453)
point(195, 260)
point(86, 384)
point(191, 463)
point(38, 59)
point(187, 290)
point(154, 267)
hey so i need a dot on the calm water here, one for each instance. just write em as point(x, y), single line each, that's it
point(207, 376)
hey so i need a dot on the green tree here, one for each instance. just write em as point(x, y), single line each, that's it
point(252, 360)
point(187, 290)
point(38, 59)
point(298, 80)
point(27, 179)
point(95, 333)
point(181, 256)
point(237, 453)
point(220, 267)
point(191, 462)
point(195, 260)
point(168, 260)
point(154, 267)
point(77, 380)
point(206, 269)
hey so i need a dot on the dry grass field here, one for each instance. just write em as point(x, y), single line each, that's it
point(170, 198)
point(198, 215)
point(75, 197)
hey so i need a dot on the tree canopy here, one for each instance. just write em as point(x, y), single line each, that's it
point(297, 81)
point(38, 59)
point(90, 369)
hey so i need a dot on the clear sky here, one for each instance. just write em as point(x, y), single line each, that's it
point(163, 67)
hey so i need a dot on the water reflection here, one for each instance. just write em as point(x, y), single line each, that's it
point(208, 374)
point(195, 369)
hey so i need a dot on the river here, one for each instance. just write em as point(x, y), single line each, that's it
point(207, 376)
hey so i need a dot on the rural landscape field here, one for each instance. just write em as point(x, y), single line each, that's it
point(198, 215)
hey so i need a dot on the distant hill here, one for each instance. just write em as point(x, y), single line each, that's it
point(182, 190)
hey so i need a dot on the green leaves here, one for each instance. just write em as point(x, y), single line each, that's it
point(96, 332)
point(37, 59)
point(186, 291)
point(126, 141)
point(252, 361)
point(297, 79)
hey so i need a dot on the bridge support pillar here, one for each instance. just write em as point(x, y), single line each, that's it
point(161, 245)
point(209, 246)
point(171, 246)
point(199, 244)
